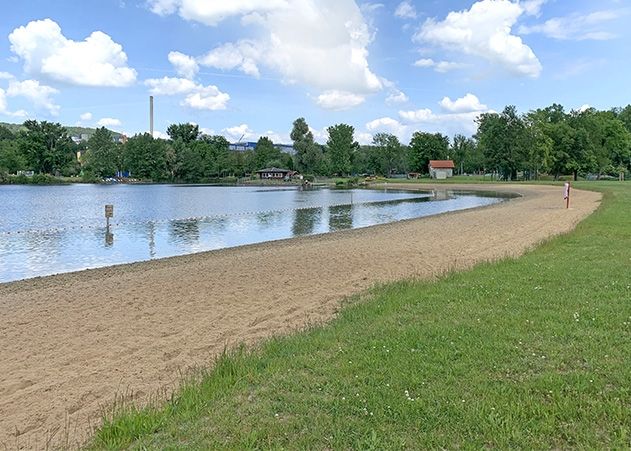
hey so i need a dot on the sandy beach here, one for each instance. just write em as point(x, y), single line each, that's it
point(71, 343)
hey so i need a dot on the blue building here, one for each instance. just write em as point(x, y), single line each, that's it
point(250, 145)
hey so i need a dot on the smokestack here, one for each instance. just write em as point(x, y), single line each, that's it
point(151, 115)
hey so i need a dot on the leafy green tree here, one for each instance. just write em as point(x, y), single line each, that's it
point(47, 147)
point(309, 155)
point(266, 155)
point(5, 134)
point(101, 158)
point(145, 157)
point(11, 160)
point(424, 147)
point(340, 148)
point(388, 153)
point(503, 139)
point(187, 133)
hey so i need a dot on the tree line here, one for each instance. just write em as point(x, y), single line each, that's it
point(511, 145)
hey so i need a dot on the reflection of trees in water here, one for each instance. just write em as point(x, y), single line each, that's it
point(340, 217)
point(149, 229)
point(268, 218)
point(305, 220)
point(185, 231)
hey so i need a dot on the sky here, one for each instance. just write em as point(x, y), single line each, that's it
point(249, 68)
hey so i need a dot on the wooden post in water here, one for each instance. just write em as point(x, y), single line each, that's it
point(109, 213)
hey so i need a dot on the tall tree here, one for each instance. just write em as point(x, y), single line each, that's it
point(145, 157)
point(101, 158)
point(46, 146)
point(308, 154)
point(424, 147)
point(388, 153)
point(340, 148)
point(187, 133)
point(266, 155)
point(504, 141)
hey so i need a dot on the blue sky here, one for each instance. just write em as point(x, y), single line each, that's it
point(250, 67)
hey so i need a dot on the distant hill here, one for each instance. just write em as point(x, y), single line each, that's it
point(72, 130)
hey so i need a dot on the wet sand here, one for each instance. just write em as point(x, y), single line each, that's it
point(71, 343)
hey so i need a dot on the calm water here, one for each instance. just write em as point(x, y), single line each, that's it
point(53, 229)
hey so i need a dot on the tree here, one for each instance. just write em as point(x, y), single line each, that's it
point(145, 157)
point(46, 146)
point(424, 147)
point(340, 148)
point(101, 158)
point(504, 141)
point(308, 154)
point(388, 153)
point(266, 155)
point(5, 133)
point(11, 160)
point(464, 153)
point(187, 133)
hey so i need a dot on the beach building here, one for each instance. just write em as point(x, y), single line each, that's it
point(441, 169)
point(274, 173)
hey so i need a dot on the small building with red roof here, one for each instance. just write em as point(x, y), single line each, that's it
point(441, 169)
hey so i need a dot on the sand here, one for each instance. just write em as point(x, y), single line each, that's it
point(71, 343)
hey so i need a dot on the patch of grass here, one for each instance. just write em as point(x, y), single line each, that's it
point(526, 353)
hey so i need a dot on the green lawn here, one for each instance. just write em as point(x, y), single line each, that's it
point(526, 353)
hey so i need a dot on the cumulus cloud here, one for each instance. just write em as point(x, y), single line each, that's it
point(197, 96)
point(109, 122)
point(39, 95)
point(459, 117)
point(95, 61)
point(396, 97)
point(485, 31)
point(339, 100)
point(241, 132)
point(185, 65)
point(439, 66)
point(405, 10)
point(241, 55)
point(86, 116)
point(576, 26)
point(301, 40)
point(211, 13)
point(465, 104)
point(6, 76)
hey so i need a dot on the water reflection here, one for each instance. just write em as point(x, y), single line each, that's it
point(36, 253)
point(340, 217)
point(305, 221)
point(184, 231)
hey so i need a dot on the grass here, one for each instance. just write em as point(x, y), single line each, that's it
point(526, 353)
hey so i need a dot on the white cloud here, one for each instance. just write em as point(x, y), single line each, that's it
point(207, 98)
point(485, 31)
point(396, 97)
point(213, 12)
point(185, 65)
point(576, 26)
point(439, 66)
point(364, 138)
point(405, 10)
point(533, 7)
point(86, 116)
point(339, 100)
point(239, 133)
point(109, 122)
point(39, 95)
point(197, 96)
point(241, 55)
point(465, 104)
point(302, 40)
point(387, 125)
point(584, 108)
point(95, 61)
point(3, 102)
point(6, 76)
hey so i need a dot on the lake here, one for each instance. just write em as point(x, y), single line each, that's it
point(46, 230)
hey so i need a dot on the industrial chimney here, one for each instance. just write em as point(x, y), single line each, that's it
point(151, 115)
